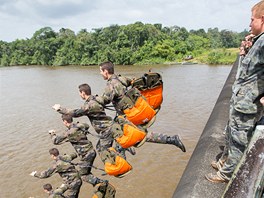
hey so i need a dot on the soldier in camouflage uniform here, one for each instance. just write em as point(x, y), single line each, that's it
point(246, 109)
point(115, 91)
point(76, 134)
point(63, 166)
point(96, 114)
point(57, 193)
point(244, 48)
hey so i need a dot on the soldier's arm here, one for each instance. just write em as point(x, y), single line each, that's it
point(107, 96)
point(58, 139)
point(46, 173)
point(74, 113)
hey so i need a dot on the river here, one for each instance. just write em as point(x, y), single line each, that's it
point(27, 94)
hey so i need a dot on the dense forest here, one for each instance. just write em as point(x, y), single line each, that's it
point(130, 44)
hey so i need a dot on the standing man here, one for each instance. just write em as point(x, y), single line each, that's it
point(245, 110)
point(76, 134)
point(63, 166)
point(115, 93)
point(244, 48)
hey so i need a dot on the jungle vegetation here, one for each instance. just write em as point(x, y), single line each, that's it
point(130, 44)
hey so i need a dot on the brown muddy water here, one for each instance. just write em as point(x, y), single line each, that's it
point(26, 97)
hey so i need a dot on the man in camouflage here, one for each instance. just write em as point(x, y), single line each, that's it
point(244, 48)
point(76, 134)
point(246, 109)
point(115, 91)
point(96, 114)
point(57, 193)
point(63, 166)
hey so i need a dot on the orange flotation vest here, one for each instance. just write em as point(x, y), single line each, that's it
point(140, 113)
point(135, 107)
point(114, 164)
point(150, 86)
point(127, 134)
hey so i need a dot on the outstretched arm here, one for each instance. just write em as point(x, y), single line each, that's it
point(44, 174)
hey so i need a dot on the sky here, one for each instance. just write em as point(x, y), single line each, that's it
point(20, 19)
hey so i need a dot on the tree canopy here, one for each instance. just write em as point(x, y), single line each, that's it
point(130, 44)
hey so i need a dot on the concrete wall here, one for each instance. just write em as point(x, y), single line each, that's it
point(193, 183)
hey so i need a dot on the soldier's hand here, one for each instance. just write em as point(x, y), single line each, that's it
point(52, 132)
point(33, 173)
point(62, 185)
point(56, 107)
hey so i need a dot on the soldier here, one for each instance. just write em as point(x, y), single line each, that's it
point(244, 48)
point(115, 91)
point(63, 166)
point(57, 193)
point(97, 116)
point(245, 109)
point(76, 134)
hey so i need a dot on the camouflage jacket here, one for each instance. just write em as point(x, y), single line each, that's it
point(76, 135)
point(250, 78)
point(115, 90)
point(63, 166)
point(94, 111)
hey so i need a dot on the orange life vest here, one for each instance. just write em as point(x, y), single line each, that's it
point(119, 167)
point(140, 113)
point(150, 86)
point(131, 136)
point(153, 96)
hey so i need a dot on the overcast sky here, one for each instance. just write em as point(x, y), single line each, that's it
point(19, 19)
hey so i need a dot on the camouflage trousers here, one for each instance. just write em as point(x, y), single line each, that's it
point(158, 138)
point(240, 129)
point(73, 188)
point(85, 166)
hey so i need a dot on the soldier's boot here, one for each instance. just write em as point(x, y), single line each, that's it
point(131, 150)
point(165, 139)
point(175, 140)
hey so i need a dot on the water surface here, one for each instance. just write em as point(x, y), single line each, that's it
point(26, 97)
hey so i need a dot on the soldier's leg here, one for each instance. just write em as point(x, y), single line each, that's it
point(104, 190)
point(160, 138)
point(241, 128)
point(74, 188)
point(85, 166)
point(104, 143)
point(218, 164)
point(86, 162)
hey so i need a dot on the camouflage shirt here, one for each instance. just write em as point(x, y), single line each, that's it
point(94, 111)
point(63, 166)
point(115, 90)
point(76, 135)
point(250, 79)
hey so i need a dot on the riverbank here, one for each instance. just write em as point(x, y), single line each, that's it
point(220, 56)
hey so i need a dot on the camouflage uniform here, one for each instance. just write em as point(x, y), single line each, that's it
point(245, 109)
point(58, 193)
point(98, 118)
point(115, 90)
point(227, 132)
point(76, 135)
point(68, 173)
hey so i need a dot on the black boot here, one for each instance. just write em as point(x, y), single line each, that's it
point(175, 140)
